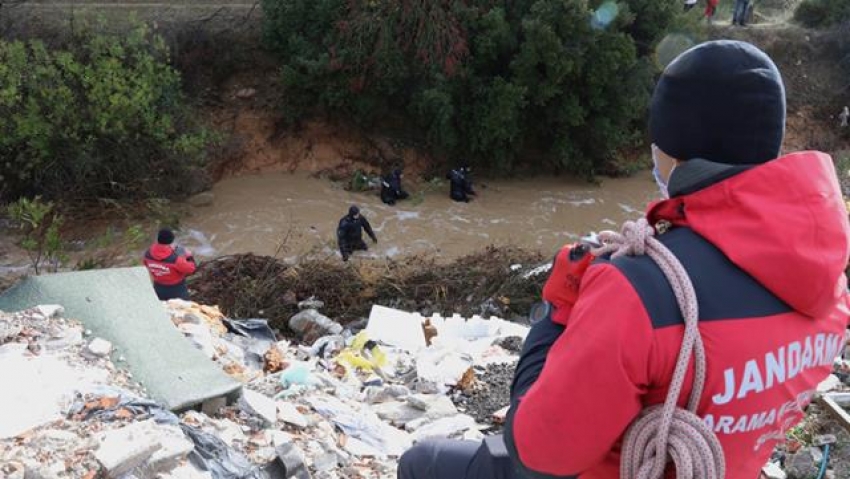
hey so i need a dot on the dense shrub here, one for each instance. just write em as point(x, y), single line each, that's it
point(822, 13)
point(482, 80)
point(103, 117)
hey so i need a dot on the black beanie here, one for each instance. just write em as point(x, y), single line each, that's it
point(165, 236)
point(722, 101)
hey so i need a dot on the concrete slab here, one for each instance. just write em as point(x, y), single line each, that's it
point(120, 306)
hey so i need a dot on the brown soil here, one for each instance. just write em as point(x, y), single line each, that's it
point(259, 141)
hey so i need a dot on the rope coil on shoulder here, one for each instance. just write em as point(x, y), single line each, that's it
point(667, 432)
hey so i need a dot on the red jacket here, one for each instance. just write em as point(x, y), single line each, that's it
point(168, 266)
point(766, 250)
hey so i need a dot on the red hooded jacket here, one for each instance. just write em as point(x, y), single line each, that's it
point(766, 250)
point(168, 266)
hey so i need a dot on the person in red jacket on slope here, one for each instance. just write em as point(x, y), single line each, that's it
point(169, 266)
point(764, 239)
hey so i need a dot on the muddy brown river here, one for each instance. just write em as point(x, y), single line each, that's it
point(259, 213)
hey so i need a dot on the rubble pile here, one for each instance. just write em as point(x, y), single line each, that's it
point(64, 396)
point(336, 402)
point(818, 447)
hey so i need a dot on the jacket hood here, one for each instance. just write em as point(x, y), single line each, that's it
point(161, 251)
point(783, 222)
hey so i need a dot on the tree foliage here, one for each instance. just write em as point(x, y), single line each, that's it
point(103, 117)
point(822, 13)
point(40, 222)
point(485, 80)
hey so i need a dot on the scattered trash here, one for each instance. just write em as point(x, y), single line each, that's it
point(297, 375)
point(311, 303)
point(343, 405)
point(311, 325)
point(396, 328)
point(221, 461)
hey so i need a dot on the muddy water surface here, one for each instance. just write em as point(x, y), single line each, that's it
point(258, 213)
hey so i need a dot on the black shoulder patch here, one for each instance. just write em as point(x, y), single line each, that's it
point(724, 291)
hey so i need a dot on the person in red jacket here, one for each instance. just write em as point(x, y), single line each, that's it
point(710, 10)
point(764, 239)
point(169, 266)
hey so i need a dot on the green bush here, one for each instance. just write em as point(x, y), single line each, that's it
point(103, 117)
point(482, 80)
point(822, 13)
point(40, 222)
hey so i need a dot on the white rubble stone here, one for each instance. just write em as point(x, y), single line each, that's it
point(416, 424)
point(831, 383)
point(280, 438)
point(259, 404)
point(289, 414)
point(435, 406)
point(773, 471)
point(60, 436)
point(50, 310)
point(100, 347)
point(70, 337)
point(125, 449)
point(445, 428)
point(174, 447)
point(398, 413)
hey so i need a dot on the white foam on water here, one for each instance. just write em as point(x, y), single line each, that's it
point(406, 215)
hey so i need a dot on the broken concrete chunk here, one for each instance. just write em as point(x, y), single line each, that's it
point(58, 436)
point(447, 427)
point(416, 424)
point(125, 449)
point(289, 414)
point(397, 412)
point(378, 394)
point(174, 447)
point(325, 462)
point(258, 404)
point(99, 347)
point(50, 310)
point(435, 406)
point(68, 338)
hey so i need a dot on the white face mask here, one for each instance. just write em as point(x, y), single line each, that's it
point(662, 185)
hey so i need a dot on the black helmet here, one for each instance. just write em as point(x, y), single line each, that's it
point(353, 211)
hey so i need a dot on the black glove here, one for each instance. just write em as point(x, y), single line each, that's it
point(375, 239)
